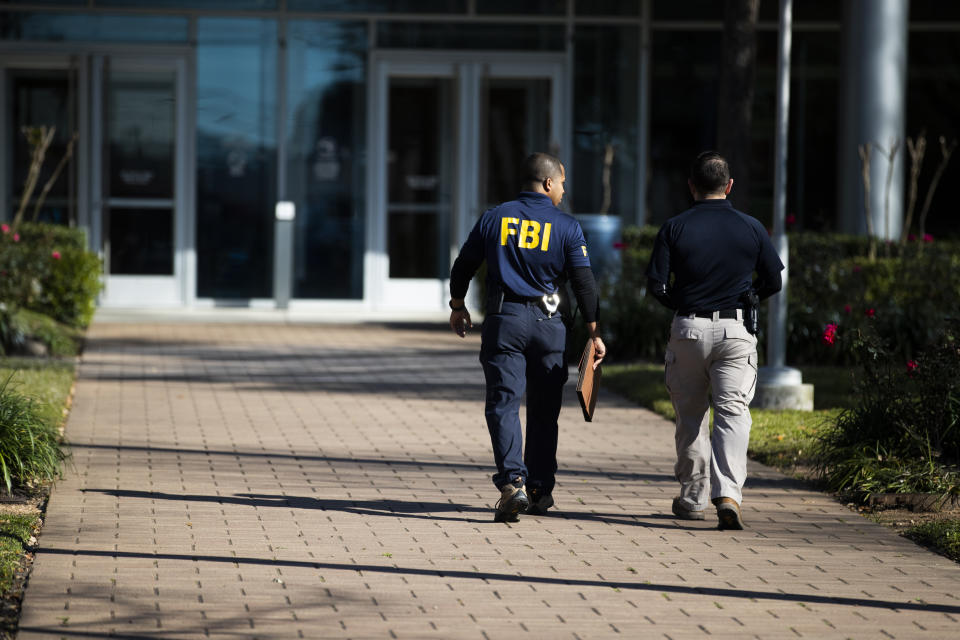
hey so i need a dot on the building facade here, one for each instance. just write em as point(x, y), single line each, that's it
point(333, 154)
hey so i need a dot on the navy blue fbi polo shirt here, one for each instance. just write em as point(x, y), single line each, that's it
point(527, 243)
point(712, 249)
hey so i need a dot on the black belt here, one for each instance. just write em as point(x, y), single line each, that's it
point(509, 297)
point(726, 314)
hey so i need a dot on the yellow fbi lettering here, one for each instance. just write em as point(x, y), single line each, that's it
point(529, 234)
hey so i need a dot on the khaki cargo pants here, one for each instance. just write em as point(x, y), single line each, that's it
point(711, 358)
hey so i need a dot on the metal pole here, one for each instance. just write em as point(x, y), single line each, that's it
point(777, 320)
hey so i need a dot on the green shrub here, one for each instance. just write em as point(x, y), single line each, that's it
point(61, 340)
point(903, 433)
point(30, 450)
point(831, 280)
point(47, 268)
point(943, 535)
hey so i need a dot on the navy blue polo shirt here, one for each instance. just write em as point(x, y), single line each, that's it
point(712, 250)
point(527, 243)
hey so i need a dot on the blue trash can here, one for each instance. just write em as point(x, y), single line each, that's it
point(602, 233)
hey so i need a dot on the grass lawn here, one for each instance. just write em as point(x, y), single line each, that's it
point(783, 439)
point(48, 382)
point(780, 439)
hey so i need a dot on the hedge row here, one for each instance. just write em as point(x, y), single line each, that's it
point(907, 293)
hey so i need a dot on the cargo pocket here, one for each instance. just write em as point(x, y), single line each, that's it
point(748, 384)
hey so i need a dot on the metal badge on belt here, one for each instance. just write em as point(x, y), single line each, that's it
point(551, 301)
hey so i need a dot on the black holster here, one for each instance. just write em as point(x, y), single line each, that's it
point(751, 311)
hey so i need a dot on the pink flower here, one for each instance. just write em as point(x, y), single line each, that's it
point(5, 228)
point(16, 237)
point(912, 366)
point(927, 238)
point(56, 255)
point(870, 312)
point(856, 268)
point(847, 308)
point(830, 333)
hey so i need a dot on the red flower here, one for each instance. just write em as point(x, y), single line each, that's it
point(791, 220)
point(856, 268)
point(870, 312)
point(56, 255)
point(830, 333)
point(927, 237)
point(619, 245)
point(847, 308)
point(5, 228)
point(912, 366)
point(16, 237)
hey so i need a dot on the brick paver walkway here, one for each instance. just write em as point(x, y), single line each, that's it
point(276, 481)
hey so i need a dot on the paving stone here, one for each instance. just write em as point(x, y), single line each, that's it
point(323, 481)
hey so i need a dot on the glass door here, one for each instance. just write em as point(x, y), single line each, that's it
point(141, 140)
point(450, 138)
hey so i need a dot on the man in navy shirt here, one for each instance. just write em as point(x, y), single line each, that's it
point(529, 246)
point(712, 250)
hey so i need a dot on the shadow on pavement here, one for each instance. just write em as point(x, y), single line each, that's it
point(806, 598)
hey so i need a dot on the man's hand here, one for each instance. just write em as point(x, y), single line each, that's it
point(599, 351)
point(460, 322)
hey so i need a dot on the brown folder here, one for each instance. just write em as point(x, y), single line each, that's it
point(588, 384)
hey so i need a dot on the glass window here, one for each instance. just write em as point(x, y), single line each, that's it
point(326, 66)
point(42, 98)
point(236, 156)
point(933, 100)
point(818, 10)
point(607, 7)
point(430, 35)
point(693, 10)
point(683, 114)
point(934, 10)
point(236, 5)
point(605, 120)
point(813, 129)
point(528, 7)
point(91, 27)
point(380, 6)
point(419, 176)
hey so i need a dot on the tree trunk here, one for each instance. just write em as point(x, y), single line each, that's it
point(735, 108)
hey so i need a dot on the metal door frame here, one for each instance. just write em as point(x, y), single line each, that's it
point(181, 286)
point(467, 69)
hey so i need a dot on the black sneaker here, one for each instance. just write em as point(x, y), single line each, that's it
point(540, 501)
point(513, 500)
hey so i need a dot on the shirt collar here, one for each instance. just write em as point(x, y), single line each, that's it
point(533, 196)
point(715, 202)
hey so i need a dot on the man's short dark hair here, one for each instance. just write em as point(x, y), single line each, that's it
point(709, 173)
point(540, 166)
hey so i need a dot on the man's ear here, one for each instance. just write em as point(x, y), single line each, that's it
point(726, 191)
point(693, 191)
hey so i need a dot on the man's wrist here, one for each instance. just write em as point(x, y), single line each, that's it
point(457, 304)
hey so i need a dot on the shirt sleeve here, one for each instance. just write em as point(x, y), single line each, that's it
point(576, 249)
point(769, 265)
point(467, 263)
point(659, 267)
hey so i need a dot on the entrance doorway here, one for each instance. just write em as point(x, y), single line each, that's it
point(139, 158)
point(124, 117)
point(448, 139)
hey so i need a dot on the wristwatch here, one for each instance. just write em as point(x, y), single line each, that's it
point(460, 308)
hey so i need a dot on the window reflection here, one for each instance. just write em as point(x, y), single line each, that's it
point(42, 98)
point(325, 138)
point(236, 156)
point(605, 122)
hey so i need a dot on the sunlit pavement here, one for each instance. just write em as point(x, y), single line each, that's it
point(324, 481)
